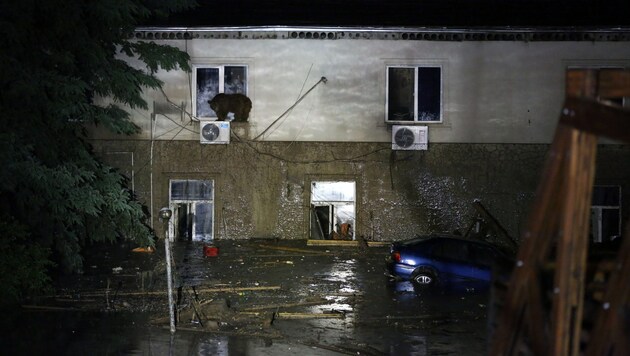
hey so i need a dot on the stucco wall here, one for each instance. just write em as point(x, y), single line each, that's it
point(493, 91)
point(262, 189)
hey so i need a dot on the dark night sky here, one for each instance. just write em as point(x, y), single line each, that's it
point(453, 13)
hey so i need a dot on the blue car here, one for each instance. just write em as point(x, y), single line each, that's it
point(445, 261)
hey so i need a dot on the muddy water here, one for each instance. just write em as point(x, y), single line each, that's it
point(280, 291)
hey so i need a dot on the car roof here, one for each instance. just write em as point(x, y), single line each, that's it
point(431, 238)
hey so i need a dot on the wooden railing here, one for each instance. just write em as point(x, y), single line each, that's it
point(541, 319)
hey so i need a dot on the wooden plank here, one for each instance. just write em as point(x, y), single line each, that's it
point(321, 301)
point(202, 290)
point(591, 116)
point(610, 332)
point(571, 249)
point(494, 223)
point(581, 82)
point(535, 319)
point(613, 83)
point(561, 286)
point(294, 249)
point(346, 243)
point(588, 144)
point(561, 213)
point(286, 315)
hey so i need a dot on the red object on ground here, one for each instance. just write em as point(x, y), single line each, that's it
point(210, 251)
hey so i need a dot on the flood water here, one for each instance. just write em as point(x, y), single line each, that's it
point(274, 298)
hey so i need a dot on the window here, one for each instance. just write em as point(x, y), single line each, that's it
point(606, 213)
point(451, 250)
point(414, 94)
point(212, 80)
point(192, 203)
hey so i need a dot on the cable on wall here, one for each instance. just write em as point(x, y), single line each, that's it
point(322, 80)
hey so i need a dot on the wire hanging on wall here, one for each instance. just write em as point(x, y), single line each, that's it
point(321, 80)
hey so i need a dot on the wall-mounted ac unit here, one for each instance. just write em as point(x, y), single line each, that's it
point(214, 132)
point(409, 137)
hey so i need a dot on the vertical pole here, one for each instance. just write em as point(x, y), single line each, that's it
point(169, 276)
point(165, 215)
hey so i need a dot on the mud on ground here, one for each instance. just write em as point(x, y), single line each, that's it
point(333, 299)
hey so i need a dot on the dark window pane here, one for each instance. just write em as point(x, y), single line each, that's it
point(207, 88)
point(400, 94)
point(191, 190)
point(610, 224)
point(203, 221)
point(235, 80)
point(178, 190)
point(451, 250)
point(606, 196)
point(429, 94)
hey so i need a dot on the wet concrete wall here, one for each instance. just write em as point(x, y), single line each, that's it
point(263, 189)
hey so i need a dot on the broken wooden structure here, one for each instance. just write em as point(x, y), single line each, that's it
point(541, 318)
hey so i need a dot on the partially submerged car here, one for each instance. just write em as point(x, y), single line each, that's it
point(445, 261)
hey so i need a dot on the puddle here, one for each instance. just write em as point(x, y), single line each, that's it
point(287, 277)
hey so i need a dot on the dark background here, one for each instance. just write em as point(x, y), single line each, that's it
point(452, 13)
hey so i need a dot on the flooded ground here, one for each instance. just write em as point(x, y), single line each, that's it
point(257, 297)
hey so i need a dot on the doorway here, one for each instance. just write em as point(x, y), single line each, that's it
point(333, 210)
point(192, 203)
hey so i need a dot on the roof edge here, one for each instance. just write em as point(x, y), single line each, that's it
point(388, 33)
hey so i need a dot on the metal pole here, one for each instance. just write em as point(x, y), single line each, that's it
point(165, 215)
point(169, 276)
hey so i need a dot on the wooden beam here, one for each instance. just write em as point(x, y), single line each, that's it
point(536, 319)
point(285, 315)
point(294, 249)
point(201, 290)
point(594, 117)
point(345, 243)
point(598, 83)
point(613, 83)
point(581, 83)
point(611, 330)
point(568, 294)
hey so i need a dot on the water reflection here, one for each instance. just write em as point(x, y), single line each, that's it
point(378, 318)
point(82, 333)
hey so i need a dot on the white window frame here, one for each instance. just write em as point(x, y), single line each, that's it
point(221, 68)
point(416, 119)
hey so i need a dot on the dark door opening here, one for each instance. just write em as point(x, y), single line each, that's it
point(184, 222)
point(320, 223)
point(333, 209)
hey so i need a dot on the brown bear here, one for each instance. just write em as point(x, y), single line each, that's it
point(239, 104)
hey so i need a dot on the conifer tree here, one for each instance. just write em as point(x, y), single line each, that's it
point(56, 56)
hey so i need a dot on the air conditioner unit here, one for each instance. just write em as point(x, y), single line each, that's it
point(214, 132)
point(409, 137)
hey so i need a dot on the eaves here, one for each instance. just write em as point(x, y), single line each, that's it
point(519, 34)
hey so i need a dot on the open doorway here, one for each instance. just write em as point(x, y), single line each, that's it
point(333, 210)
point(192, 203)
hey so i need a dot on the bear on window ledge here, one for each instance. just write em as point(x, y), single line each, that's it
point(239, 104)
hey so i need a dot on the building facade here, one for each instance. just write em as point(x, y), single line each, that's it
point(361, 132)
